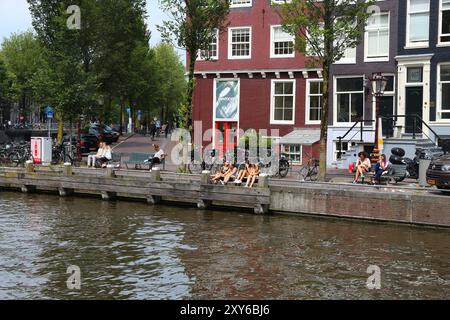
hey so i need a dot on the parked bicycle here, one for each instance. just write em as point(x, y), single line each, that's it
point(65, 152)
point(201, 163)
point(310, 171)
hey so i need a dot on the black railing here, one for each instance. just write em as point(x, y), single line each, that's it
point(415, 124)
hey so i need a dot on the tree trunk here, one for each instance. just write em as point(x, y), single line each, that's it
point(121, 115)
point(324, 124)
point(60, 134)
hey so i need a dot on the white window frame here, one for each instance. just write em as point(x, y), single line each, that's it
point(440, 34)
point(212, 58)
point(289, 153)
point(241, 5)
point(366, 41)
point(272, 44)
point(307, 104)
point(335, 95)
point(418, 44)
point(272, 101)
point(439, 95)
point(230, 47)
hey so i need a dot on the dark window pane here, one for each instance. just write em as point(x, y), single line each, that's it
point(357, 107)
point(445, 23)
point(343, 108)
point(415, 75)
point(350, 84)
point(445, 72)
point(446, 96)
point(390, 84)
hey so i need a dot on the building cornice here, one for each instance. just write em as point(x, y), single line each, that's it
point(415, 57)
point(263, 72)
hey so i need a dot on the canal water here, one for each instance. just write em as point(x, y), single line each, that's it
point(128, 250)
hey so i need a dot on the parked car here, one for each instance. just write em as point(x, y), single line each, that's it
point(102, 134)
point(438, 174)
point(110, 130)
point(88, 142)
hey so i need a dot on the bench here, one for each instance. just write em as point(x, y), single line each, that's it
point(140, 161)
point(116, 160)
point(396, 173)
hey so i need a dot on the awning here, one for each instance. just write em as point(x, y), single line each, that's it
point(301, 136)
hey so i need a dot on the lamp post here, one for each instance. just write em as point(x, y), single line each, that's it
point(379, 83)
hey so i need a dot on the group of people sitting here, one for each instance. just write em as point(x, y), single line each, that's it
point(364, 165)
point(102, 157)
point(229, 172)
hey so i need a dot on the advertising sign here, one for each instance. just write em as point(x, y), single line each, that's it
point(227, 100)
point(36, 150)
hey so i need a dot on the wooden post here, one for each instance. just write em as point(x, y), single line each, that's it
point(205, 179)
point(110, 173)
point(263, 181)
point(29, 166)
point(68, 169)
point(156, 174)
point(107, 196)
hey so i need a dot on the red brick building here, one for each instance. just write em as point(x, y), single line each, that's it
point(255, 80)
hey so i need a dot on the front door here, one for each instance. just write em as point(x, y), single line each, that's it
point(226, 137)
point(386, 111)
point(413, 106)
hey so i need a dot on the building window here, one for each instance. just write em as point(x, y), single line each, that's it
point(377, 38)
point(345, 146)
point(281, 43)
point(414, 75)
point(313, 101)
point(444, 91)
point(445, 21)
point(240, 3)
point(213, 50)
point(293, 153)
point(239, 43)
point(349, 99)
point(283, 101)
point(418, 22)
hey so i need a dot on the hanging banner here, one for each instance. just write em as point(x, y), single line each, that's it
point(380, 136)
point(227, 100)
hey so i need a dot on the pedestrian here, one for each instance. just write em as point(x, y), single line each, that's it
point(362, 165)
point(381, 167)
point(158, 157)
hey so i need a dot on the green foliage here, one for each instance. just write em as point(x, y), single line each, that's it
point(22, 56)
point(192, 26)
point(325, 30)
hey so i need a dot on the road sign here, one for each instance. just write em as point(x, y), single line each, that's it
point(49, 112)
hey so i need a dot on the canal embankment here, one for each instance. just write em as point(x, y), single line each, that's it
point(392, 204)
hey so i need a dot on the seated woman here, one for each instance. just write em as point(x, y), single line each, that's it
point(221, 174)
point(92, 158)
point(381, 167)
point(158, 157)
point(362, 165)
point(230, 174)
point(105, 157)
point(243, 173)
point(253, 174)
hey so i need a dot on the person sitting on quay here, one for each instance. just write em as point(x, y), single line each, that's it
point(105, 157)
point(253, 174)
point(230, 174)
point(158, 157)
point(381, 168)
point(362, 165)
point(243, 173)
point(92, 158)
point(219, 176)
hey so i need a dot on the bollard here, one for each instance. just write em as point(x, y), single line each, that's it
point(205, 179)
point(110, 173)
point(156, 174)
point(423, 167)
point(29, 166)
point(263, 181)
point(68, 169)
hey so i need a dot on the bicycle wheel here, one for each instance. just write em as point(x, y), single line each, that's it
point(284, 168)
point(314, 174)
point(14, 159)
point(195, 167)
point(303, 174)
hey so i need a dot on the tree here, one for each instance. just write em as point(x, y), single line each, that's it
point(5, 90)
point(170, 81)
point(325, 30)
point(193, 25)
point(23, 56)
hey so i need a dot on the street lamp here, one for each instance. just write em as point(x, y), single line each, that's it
point(379, 83)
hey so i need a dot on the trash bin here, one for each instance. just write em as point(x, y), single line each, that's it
point(423, 167)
